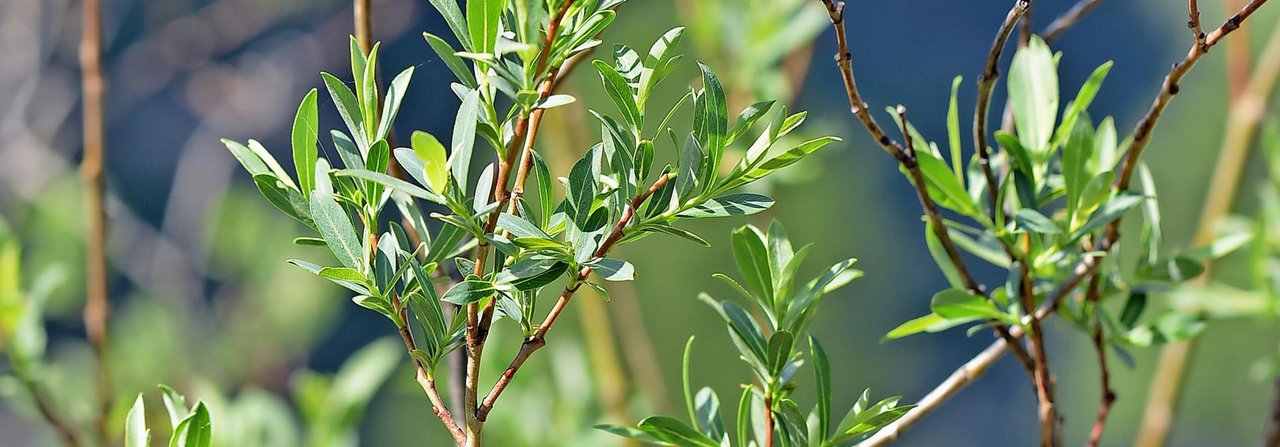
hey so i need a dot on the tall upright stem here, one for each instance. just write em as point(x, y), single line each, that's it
point(97, 307)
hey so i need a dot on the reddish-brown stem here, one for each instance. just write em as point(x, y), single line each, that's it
point(424, 378)
point(1271, 437)
point(768, 421)
point(538, 339)
point(1068, 19)
point(1104, 373)
point(97, 307)
point(986, 83)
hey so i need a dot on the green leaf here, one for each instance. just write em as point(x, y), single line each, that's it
point(483, 18)
point(960, 304)
point(1033, 92)
point(336, 229)
point(271, 163)
point(469, 291)
point(822, 375)
point(780, 345)
point(953, 132)
point(743, 204)
point(519, 227)
point(613, 269)
point(174, 404)
point(1031, 220)
point(752, 258)
point(135, 426)
point(391, 105)
point(450, 58)
point(621, 93)
point(246, 157)
point(788, 158)
point(927, 323)
point(434, 161)
point(708, 413)
point(743, 329)
point(348, 106)
point(545, 198)
point(711, 110)
point(453, 17)
point(940, 256)
point(305, 133)
point(1109, 212)
point(391, 182)
point(582, 187)
point(343, 274)
point(1083, 99)
point(464, 137)
point(674, 431)
point(194, 431)
point(284, 198)
point(677, 232)
point(631, 433)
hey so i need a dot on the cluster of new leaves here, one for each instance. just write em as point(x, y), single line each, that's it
point(612, 195)
point(192, 426)
point(1052, 209)
point(771, 349)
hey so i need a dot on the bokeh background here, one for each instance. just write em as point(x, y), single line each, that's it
point(203, 300)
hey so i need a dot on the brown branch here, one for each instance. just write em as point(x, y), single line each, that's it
point(478, 324)
point(986, 83)
point(768, 421)
point(1169, 88)
point(1068, 19)
point(1050, 424)
point(97, 307)
point(538, 339)
point(1243, 119)
point(859, 108)
point(1238, 57)
point(424, 377)
point(70, 435)
point(1193, 22)
point(1100, 347)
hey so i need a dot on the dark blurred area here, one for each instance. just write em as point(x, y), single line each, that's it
point(203, 299)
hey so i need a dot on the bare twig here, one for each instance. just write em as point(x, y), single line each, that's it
point(1104, 373)
point(1068, 19)
point(1193, 22)
point(1243, 119)
point(424, 377)
point(538, 339)
point(1050, 424)
point(45, 405)
point(976, 366)
point(97, 307)
point(986, 83)
point(905, 157)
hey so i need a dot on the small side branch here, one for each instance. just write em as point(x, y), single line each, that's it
point(1068, 19)
point(1104, 373)
point(536, 341)
point(986, 83)
point(97, 307)
point(1193, 22)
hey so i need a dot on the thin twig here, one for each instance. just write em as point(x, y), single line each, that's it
point(986, 83)
point(45, 405)
point(424, 377)
point(1068, 19)
point(1104, 373)
point(538, 339)
point(1193, 22)
point(1050, 424)
point(97, 307)
point(976, 366)
point(1243, 119)
point(859, 108)
point(768, 421)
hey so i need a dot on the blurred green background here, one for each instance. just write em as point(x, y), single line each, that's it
point(203, 300)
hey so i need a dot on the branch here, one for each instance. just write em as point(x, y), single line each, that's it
point(1142, 133)
point(1060, 25)
point(1243, 119)
point(538, 339)
point(424, 377)
point(978, 365)
point(97, 307)
point(986, 83)
point(44, 404)
point(1197, 31)
point(1100, 347)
